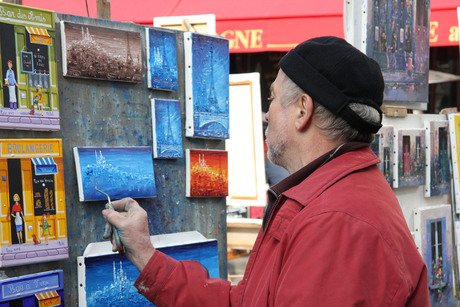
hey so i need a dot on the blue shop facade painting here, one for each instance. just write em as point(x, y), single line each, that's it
point(107, 278)
point(118, 171)
point(166, 129)
point(34, 290)
point(206, 86)
point(162, 59)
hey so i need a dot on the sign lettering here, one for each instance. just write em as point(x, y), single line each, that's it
point(434, 25)
point(246, 39)
point(453, 34)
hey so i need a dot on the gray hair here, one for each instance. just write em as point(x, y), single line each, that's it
point(333, 127)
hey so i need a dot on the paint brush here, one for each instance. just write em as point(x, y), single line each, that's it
point(115, 233)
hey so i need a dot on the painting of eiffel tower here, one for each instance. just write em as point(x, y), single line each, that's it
point(206, 86)
point(101, 53)
point(162, 59)
point(166, 129)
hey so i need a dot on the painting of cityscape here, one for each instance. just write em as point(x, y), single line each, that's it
point(112, 170)
point(162, 59)
point(100, 53)
point(410, 158)
point(437, 158)
point(206, 86)
point(398, 39)
point(433, 237)
point(383, 148)
point(107, 279)
point(166, 129)
point(207, 173)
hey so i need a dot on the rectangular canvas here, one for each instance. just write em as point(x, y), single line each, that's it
point(433, 237)
point(166, 128)
point(382, 146)
point(206, 173)
point(29, 95)
point(100, 53)
point(107, 279)
point(437, 158)
point(207, 61)
point(118, 171)
point(409, 158)
point(396, 35)
point(33, 224)
point(246, 171)
point(454, 138)
point(40, 289)
point(162, 59)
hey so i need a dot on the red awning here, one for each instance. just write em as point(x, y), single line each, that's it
point(258, 25)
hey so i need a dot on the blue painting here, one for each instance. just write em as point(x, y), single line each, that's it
point(118, 171)
point(162, 59)
point(206, 86)
point(110, 278)
point(410, 168)
point(438, 161)
point(167, 129)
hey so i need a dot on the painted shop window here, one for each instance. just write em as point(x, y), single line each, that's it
point(438, 281)
point(16, 213)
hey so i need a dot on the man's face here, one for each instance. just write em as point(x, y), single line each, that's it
point(277, 130)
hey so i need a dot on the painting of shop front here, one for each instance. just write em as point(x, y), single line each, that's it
point(410, 158)
point(100, 53)
point(33, 219)
point(398, 39)
point(29, 95)
point(437, 158)
point(382, 146)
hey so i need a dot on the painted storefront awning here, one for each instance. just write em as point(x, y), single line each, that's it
point(257, 26)
point(39, 36)
point(45, 166)
point(48, 299)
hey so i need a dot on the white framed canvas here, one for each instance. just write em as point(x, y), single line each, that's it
point(166, 129)
point(454, 138)
point(382, 146)
point(106, 278)
point(207, 61)
point(433, 237)
point(409, 168)
point(246, 163)
point(437, 158)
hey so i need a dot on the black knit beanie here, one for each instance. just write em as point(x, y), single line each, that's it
point(334, 73)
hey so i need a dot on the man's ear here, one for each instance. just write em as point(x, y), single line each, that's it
point(304, 115)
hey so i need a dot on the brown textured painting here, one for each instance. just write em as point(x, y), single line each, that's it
point(101, 53)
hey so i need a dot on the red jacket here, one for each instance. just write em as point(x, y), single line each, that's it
point(335, 237)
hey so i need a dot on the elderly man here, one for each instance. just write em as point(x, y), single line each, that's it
point(333, 233)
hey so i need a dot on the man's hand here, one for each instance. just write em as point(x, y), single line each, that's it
point(133, 228)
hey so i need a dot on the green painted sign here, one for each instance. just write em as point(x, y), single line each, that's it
point(26, 15)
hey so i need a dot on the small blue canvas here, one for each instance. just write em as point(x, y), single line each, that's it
point(162, 59)
point(166, 129)
point(118, 171)
point(206, 86)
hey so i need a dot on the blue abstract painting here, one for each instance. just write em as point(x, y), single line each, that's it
point(167, 129)
point(162, 59)
point(206, 86)
point(118, 171)
point(110, 278)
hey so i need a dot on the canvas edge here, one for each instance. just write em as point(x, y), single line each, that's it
point(81, 271)
point(396, 158)
point(63, 48)
point(76, 155)
point(147, 46)
point(187, 172)
point(188, 63)
point(454, 159)
point(154, 132)
point(428, 145)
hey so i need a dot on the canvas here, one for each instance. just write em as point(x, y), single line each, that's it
point(107, 279)
point(410, 158)
point(166, 129)
point(33, 225)
point(206, 173)
point(162, 59)
point(382, 146)
point(433, 237)
point(246, 171)
point(396, 35)
point(118, 171)
point(40, 289)
point(454, 140)
point(29, 98)
point(100, 53)
point(206, 86)
point(437, 158)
